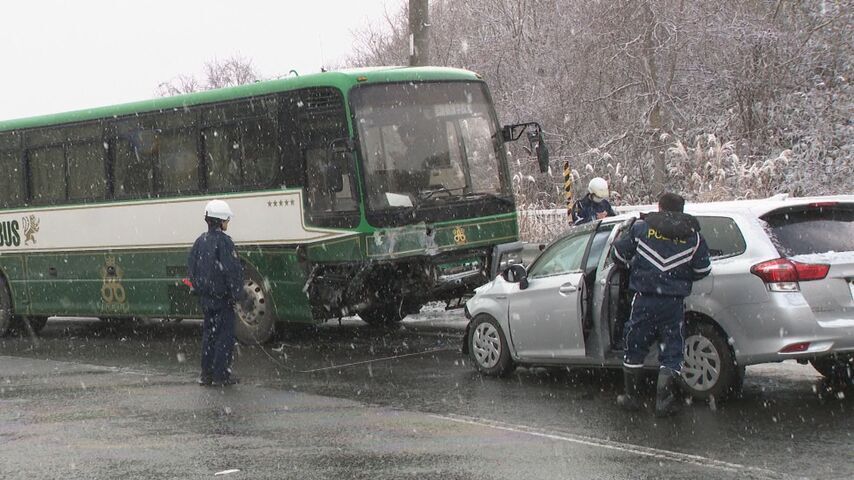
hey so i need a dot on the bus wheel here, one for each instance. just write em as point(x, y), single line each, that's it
point(6, 318)
point(36, 323)
point(256, 321)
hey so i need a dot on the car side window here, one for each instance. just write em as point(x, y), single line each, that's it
point(723, 236)
point(562, 257)
point(597, 247)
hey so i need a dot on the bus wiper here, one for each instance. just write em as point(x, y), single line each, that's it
point(426, 194)
point(502, 199)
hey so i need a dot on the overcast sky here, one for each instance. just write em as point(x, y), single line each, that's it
point(66, 55)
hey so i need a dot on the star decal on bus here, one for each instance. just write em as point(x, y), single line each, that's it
point(281, 203)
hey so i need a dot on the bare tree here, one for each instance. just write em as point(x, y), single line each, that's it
point(727, 99)
point(232, 71)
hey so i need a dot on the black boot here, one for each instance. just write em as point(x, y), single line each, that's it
point(667, 393)
point(231, 380)
point(630, 400)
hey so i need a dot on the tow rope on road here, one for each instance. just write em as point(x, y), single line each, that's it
point(333, 367)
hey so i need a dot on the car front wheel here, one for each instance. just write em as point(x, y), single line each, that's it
point(488, 347)
point(710, 369)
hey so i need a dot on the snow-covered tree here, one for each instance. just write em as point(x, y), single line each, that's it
point(727, 99)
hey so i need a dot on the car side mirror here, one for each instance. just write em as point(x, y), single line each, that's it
point(516, 274)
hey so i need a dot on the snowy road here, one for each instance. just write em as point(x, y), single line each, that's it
point(538, 423)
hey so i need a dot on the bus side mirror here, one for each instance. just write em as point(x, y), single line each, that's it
point(511, 133)
point(538, 144)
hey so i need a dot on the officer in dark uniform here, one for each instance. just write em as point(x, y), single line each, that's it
point(665, 254)
point(594, 205)
point(216, 274)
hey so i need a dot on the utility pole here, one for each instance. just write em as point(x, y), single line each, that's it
point(419, 42)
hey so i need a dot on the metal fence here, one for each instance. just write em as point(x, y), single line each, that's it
point(545, 225)
point(542, 226)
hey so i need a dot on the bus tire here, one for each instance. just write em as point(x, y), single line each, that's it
point(37, 324)
point(255, 325)
point(7, 320)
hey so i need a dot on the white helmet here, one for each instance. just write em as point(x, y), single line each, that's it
point(599, 187)
point(218, 209)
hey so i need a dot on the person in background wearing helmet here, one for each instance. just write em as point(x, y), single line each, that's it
point(594, 205)
point(216, 274)
point(665, 254)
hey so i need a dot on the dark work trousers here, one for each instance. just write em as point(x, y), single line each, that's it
point(218, 343)
point(655, 318)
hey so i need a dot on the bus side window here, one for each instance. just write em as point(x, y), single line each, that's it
point(177, 162)
point(133, 174)
point(319, 116)
point(222, 148)
point(289, 139)
point(241, 145)
point(87, 179)
point(260, 153)
point(47, 174)
point(11, 181)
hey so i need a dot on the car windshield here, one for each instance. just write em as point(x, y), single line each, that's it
point(428, 142)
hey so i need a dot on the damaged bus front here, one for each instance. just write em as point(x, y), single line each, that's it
point(436, 197)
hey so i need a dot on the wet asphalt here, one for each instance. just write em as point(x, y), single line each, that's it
point(87, 399)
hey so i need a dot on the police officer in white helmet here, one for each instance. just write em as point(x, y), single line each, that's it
point(216, 274)
point(594, 205)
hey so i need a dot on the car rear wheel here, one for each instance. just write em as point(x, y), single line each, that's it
point(256, 320)
point(488, 347)
point(710, 369)
point(835, 367)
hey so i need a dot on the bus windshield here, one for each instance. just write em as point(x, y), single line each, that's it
point(426, 143)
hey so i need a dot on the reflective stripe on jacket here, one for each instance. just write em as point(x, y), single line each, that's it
point(665, 254)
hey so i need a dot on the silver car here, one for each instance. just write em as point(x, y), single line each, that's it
point(781, 287)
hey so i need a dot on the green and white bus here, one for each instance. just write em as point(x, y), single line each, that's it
point(364, 192)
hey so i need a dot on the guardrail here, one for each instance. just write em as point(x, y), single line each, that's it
point(545, 225)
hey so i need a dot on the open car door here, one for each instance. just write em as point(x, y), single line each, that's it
point(546, 317)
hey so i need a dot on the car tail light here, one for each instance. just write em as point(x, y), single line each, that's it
point(796, 347)
point(823, 204)
point(811, 271)
point(783, 275)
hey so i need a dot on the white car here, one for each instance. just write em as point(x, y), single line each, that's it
point(781, 287)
